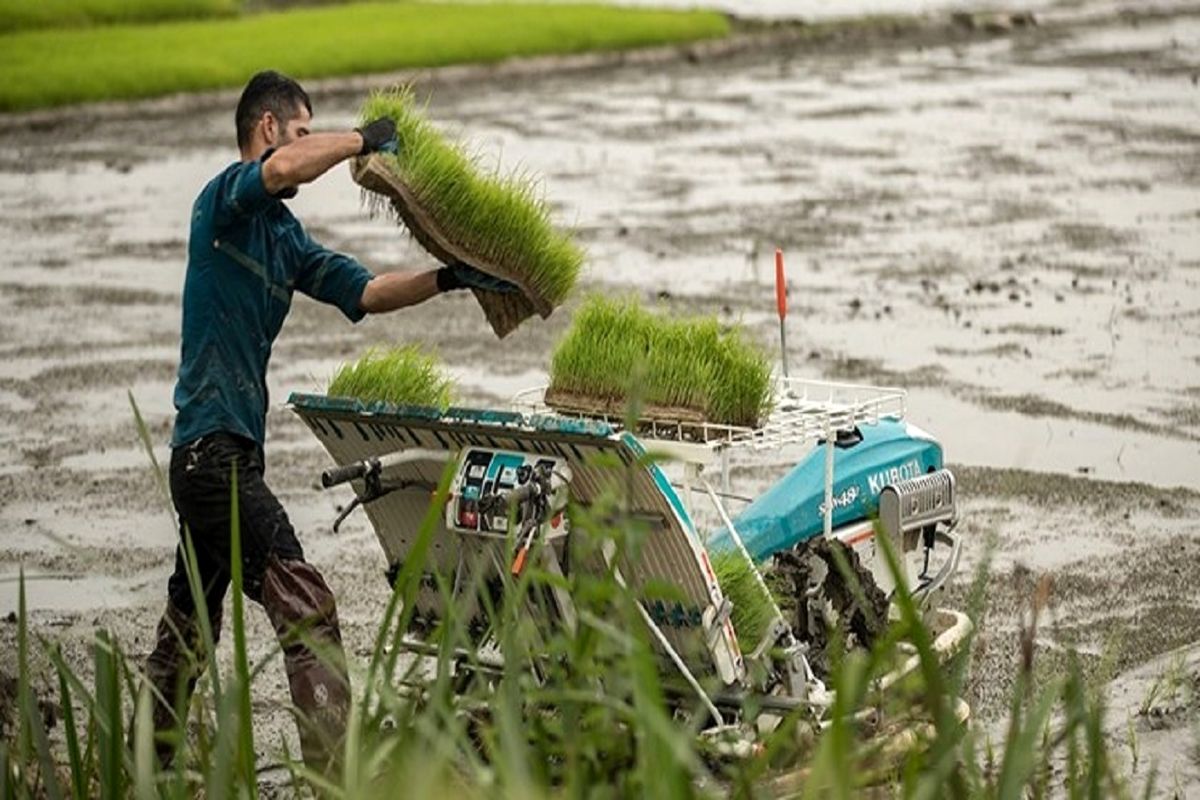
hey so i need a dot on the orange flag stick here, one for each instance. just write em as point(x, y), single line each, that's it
point(781, 303)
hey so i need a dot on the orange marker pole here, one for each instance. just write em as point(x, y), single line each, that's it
point(781, 304)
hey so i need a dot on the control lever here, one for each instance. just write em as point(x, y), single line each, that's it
point(531, 501)
point(348, 472)
point(371, 472)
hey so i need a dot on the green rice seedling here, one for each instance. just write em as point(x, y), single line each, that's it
point(690, 364)
point(499, 220)
point(677, 382)
point(600, 351)
point(399, 375)
point(743, 390)
point(753, 610)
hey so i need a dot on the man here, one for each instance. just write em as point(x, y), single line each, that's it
point(247, 254)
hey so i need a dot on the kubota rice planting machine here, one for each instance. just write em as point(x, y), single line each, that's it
point(861, 472)
point(854, 472)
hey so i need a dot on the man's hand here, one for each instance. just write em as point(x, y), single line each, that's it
point(461, 276)
point(378, 135)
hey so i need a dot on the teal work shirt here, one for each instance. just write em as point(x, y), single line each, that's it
point(246, 255)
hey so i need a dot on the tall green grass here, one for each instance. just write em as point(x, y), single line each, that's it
point(130, 61)
point(499, 218)
point(399, 375)
point(18, 15)
point(584, 711)
point(688, 363)
point(596, 717)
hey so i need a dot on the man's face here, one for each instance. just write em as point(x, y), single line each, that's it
point(297, 127)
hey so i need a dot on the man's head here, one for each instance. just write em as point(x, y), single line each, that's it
point(273, 111)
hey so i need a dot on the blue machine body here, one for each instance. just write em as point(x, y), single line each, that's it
point(793, 510)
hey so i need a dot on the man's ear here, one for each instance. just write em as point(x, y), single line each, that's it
point(270, 128)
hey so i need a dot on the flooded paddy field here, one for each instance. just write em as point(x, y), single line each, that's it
point(1008, 226)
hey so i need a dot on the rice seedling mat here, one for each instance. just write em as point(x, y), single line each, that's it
point(405, 375)
point(504, 311)
point(690, 371)
point(658, 422)
point(805, 411)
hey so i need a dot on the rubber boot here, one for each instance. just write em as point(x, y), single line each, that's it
point(173, 667)
point(301, 608)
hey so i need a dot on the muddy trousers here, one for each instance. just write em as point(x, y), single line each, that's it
point(296, 598)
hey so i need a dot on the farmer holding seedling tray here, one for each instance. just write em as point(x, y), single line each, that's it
point(246, 256)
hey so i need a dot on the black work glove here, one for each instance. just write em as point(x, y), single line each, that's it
point(378, 135)
point(461, 276)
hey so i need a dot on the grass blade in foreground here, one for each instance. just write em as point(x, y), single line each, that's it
point(245, 732)
point(110, 740)
point(458, 212)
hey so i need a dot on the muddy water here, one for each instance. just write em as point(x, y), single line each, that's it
point(1008, 227)
point(821, 10)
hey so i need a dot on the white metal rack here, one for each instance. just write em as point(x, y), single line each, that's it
point(806, 411)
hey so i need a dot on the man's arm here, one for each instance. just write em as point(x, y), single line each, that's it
point(394, 290)
point(391, 291)
point(308, 158)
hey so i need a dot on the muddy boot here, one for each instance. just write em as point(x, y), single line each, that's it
point(302, 610)
point(173, 668)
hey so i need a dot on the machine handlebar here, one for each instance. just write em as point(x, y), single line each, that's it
point(346, 473)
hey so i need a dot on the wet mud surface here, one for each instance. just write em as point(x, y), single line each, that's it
point(1008, 226)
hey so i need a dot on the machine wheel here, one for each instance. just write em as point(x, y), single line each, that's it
point(822, 604)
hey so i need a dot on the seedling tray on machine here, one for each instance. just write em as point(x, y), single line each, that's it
point(806, 412)
point(684, 424)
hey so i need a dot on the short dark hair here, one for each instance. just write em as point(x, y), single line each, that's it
point(268, 91)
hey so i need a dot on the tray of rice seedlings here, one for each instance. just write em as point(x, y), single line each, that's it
point(460, 212)
point(693, 371)
point(401, 376)
point(752, 608)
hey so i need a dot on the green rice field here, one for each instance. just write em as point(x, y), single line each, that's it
point(18, 15)
point(127, 61)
